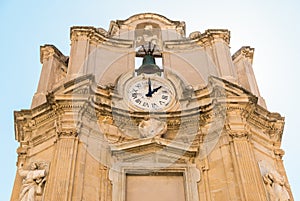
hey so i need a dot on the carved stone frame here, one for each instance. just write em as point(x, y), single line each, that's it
point(117, 175)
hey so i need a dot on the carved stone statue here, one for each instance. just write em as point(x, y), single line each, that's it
point(276, 184)
point(33, 180)
point(151, 127)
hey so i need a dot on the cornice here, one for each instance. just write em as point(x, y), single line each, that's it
point(271, 123)
point(46, 51)
point(245, 52)
point(85, 32)
point(97, 36)
point(212, 35)
point(151, 16)
point(197, 39)
point(183, 44)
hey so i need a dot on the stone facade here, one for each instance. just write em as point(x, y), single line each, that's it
point(83, 138)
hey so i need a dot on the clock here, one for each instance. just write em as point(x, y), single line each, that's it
point(150, 93)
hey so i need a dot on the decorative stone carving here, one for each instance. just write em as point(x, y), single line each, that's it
point(239, 135)
point(246, 52)
point(34, 179)
point(276, 185)
point(279, 153)
point(148, 34)
point(151, 127)
point(195, 35)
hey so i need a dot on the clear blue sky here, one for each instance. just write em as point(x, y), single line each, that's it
point(271, 26)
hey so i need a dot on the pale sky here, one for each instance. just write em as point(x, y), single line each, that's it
point(271, 27)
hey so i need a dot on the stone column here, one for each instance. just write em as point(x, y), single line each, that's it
point(105, 185)
point(228, 167)
point(246, 167)
point(203, 186)
point(61, 175)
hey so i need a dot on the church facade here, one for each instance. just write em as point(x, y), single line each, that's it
point(142, 111)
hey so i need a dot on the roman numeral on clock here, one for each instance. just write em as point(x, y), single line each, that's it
point(164, 97)
point(162, 103)
point(134, 95)
point(138, 101)
point(154, 105)
point(145, 104)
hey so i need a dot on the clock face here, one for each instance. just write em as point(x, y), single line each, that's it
point(150, 94)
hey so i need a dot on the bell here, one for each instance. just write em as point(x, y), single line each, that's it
point(149, 66)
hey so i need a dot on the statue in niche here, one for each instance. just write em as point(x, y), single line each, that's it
point(151, 127)
point(276, 184)
point(33, 181)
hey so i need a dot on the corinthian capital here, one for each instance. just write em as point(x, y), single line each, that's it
point(239, 134)
point(71, 132)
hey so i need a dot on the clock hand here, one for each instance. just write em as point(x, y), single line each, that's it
point(156, 89)
point(149, 94)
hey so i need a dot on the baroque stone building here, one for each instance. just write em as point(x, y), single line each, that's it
point(144, 112)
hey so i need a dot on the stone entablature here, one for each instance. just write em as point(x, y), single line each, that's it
point(68, 97)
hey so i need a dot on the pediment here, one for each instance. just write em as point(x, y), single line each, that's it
point(138, 18)
point(137, 21)
point(154, 149)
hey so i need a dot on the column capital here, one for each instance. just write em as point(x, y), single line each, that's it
point(72, 132)
point(238, 131)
